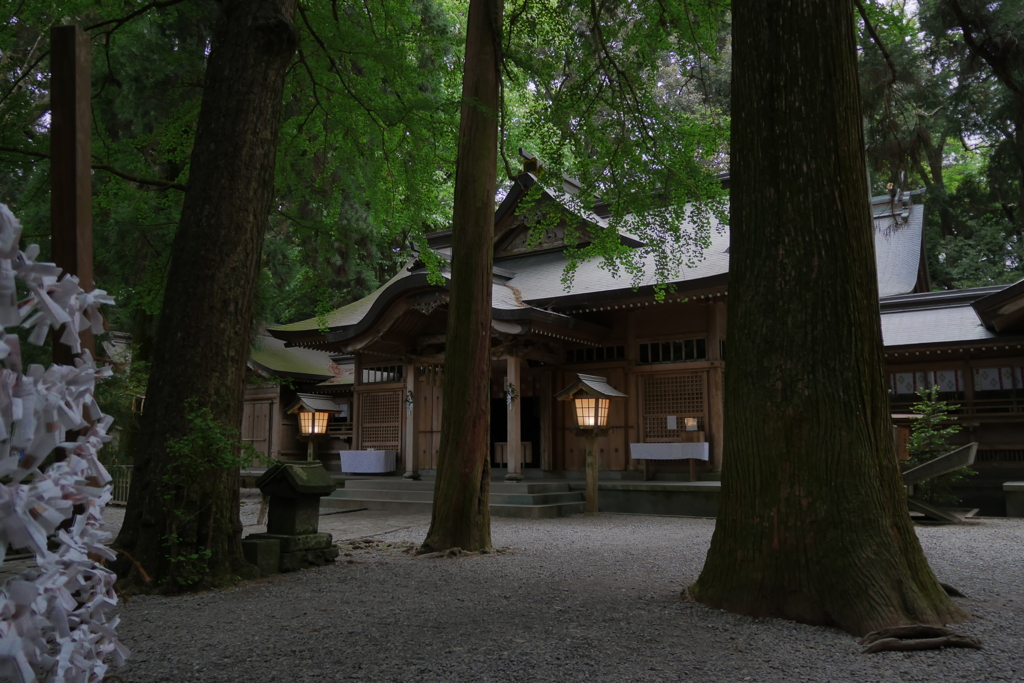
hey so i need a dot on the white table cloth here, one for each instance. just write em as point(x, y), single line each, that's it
point(669, 451)
point(367, 462)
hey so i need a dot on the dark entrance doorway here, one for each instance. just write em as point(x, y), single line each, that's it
point(529, 428)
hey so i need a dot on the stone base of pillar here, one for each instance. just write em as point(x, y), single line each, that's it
point(514, 476)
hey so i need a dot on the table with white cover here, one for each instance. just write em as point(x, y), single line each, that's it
point(670, 451)
point(368, 462)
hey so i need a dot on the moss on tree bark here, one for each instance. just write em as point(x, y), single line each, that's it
point(813, 523)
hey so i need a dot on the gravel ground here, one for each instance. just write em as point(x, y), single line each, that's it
point(571, 599)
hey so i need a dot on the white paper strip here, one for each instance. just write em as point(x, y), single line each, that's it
point(56, 619)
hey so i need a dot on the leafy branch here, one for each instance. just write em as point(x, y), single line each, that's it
point(154, 182)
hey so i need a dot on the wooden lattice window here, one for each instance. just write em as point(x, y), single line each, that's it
point(380, 420)
point(379, 375)
point(678, 396)
point(676, 351)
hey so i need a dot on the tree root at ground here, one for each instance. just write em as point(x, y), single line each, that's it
point(916, 637)
point(952, 591)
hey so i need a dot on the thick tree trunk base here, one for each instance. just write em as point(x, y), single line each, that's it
point(813, 524)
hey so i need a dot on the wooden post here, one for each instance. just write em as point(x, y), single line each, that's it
point(357, 380)
point(546, 461)
point(716, 385)
point(71, 165)
point(514, 446)
point(412, 470)
point(716, 411)
point(591, 465)
point(634, 421)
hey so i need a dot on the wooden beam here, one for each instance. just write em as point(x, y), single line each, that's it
point(71, 165)
point(430, 339)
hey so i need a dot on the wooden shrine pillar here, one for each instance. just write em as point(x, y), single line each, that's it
point(634, 432)
point(71, 165)
point(514, 449)
point(716, 383)
point(545, 396)
point(412, 470)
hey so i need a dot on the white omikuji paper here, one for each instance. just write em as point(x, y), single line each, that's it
point(57, 620)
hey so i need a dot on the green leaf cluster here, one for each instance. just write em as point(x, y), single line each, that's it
point(944, 111)
point(206, 446)
point(930, 436)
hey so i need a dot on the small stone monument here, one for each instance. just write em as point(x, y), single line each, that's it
point(292, 540)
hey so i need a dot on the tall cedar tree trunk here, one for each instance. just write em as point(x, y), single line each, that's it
point(814, 523)
point(202, 339)
point(461, 517)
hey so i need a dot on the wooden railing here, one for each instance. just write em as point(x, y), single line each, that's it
point(988, 409)
point(122, 481)
point(340, 431)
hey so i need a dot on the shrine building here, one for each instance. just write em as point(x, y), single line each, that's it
point(668, 357)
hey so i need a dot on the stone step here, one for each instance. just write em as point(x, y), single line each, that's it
point(528, 499)
point(427, 496)
point(399, 484)
point(555, 503)
point(382, 494)
point(521, 511)
point(409, 506)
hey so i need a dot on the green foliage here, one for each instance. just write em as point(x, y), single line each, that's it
point(985, 247)
point(941, 113)
point(619, 98)
point(120, 396)
point(207, 446)
point(930, 436)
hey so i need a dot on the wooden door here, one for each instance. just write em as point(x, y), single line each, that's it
point(256, 428)
point(428, 421)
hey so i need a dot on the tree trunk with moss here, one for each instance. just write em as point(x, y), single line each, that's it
point(182, 522)
point(461, 517)
point(813, 523)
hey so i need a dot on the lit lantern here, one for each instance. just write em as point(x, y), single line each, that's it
point(314, 412)
point(591, 412)
point(591, 396)
point(313, 422)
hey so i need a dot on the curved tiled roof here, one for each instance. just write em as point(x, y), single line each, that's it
point(345, 315)
point(941, 318)
point(539, 276)
point(273, 356)
point(933, 326)
point(898, 252)
point(536, 279)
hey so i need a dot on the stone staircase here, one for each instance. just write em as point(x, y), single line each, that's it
point(525, 499)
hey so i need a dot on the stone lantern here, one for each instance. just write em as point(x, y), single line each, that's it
point(292, 540)
point(591, 396)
